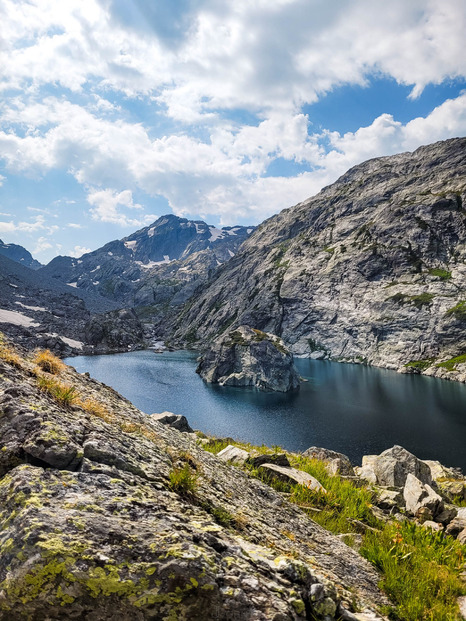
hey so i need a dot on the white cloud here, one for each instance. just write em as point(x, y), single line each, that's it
point(7, 227)
point(107, 204)
point(74, 225)
point(78, 251)
point(42, 244)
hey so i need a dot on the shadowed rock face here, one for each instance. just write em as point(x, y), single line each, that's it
point(94, 528)
point(247, 357)
point(370, 269)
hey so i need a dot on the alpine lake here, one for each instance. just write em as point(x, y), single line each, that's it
point(351, 408)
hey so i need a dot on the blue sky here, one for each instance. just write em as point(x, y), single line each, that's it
point(114, 112)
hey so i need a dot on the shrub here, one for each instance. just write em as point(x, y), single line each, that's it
point(48, 362)
point(440, 273)
point(458, 311)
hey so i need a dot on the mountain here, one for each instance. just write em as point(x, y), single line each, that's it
point(158, 264)
point(37, 310)
point(372, 269)
point(19, 254)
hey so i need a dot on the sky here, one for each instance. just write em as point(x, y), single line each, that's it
point(115, 112)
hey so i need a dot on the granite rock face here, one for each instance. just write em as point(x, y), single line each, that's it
point(247, 357)
point(392, 467)
point(372, 269)
point(94, 526)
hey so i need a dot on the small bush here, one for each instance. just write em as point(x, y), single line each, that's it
point(48, 362)
point(183, 480)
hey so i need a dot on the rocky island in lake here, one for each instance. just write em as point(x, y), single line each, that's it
point(249, 357)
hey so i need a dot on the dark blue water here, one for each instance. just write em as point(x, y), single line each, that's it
point(354, 409)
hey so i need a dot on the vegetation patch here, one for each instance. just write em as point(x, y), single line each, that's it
point(63, 393)
point(458, 311)
point(450, 365)
point(440, 273)
point(420, 365)
point(420, 570)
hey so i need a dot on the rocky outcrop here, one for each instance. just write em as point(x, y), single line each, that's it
point(371, 269)
point(247, 357)
point(105, 513)
point(114, 331)
point(335, 463)
point(392, 467)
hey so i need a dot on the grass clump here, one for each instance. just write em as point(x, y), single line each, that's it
point(420, 570)
point(440, 273)
point(48, 362)
point(8, 354)
point(458, 311)
point(65, 394)
point(450, 365)
point(183, 480)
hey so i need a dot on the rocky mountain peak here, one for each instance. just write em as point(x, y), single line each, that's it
point(19, 254)
point(372, 269)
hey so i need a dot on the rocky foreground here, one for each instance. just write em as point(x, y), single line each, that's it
point(99, 519)
point(108, 513)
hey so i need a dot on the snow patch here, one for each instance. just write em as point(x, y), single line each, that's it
point(12, 285)
point(95, 269)
point(72, 284)
point(33, 308)
point(79, 261)
point(147, 266)
point(199, 227)
point(150, 232)
point(110, 254)
point(17, 319)
point(249, 231)
point(96, 282)
point(131, 245)
point(232, 254)
point(65, 339)
point(215, 233)
point(231, 231)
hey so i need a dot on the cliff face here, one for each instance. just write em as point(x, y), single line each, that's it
point(106, 513)
point(371, 269)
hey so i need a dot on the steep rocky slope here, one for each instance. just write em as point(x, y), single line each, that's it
point(94, 525)
point(372, 269)
point(156, 265)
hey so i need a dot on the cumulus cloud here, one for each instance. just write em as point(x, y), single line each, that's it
point(78, 251)
point(107, 204)
point(195, 65)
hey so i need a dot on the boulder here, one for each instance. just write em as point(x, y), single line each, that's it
point(388, 499)
point(418, 495)
point(248, 357)
point(234, 455)
point(291, 475)
point(440, 472)
point(336, 463)
point(176, 421)
point(458, 524)
point(392, 467)
point(279, 459)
